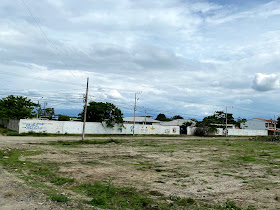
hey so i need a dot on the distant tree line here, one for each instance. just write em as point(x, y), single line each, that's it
point(20, 107)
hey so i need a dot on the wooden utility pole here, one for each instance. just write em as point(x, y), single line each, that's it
point(85, 112)
point(135, 110)
point(134, 114)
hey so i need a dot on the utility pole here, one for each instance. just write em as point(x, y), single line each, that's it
point(145, 117)
point(85, 112)
point(226, 123)
point(135, 111)
point(38, 108)
point(274, 125)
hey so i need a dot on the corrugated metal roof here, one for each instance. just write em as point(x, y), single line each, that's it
point(140, 119)
point(271, 121)
point(178, 122)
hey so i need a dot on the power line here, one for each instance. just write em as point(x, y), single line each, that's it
point(51, 44)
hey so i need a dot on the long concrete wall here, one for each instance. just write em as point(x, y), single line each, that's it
point(70, 127)
point(233, 132)
point(247, 132)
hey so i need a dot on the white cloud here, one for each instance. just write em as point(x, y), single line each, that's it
point(264, 82)
point(243, 101)
point(176, 52)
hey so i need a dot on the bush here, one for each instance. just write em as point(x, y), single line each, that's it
point(267, 138)
point(205, 131)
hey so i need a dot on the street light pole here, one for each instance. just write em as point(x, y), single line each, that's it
point(85, 113)
point(226, 123)
point(135, 100)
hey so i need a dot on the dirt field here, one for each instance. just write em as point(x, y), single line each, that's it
point(208, 171)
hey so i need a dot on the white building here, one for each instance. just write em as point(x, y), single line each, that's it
point(259, 124)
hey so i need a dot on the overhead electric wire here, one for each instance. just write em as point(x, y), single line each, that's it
point(51, 44)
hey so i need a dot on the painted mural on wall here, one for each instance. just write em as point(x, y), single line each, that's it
point(35, 126)
point(144, 129)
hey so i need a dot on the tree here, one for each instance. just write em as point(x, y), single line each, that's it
point(162, 117)
point(219, 117)
point(16, 107)
point(46, 111)
point(184, 127)
point(63, 117)
point(240, 121)
point(100, 112)
point(176, 117)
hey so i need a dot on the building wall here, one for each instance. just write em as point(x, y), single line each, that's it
point(10, 124)
point(254, 124)
point(71, 127)
point(233, 132)
point(247, 132)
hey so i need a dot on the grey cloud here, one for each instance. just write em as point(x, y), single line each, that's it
point(264, 82)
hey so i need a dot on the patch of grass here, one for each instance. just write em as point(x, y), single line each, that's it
point(185, 202)
point(61, 180)
point(159, 181)
point(58, 198)
point(75, 143)
point(109, 196)
point(267, 138)
point(156, 193)
point(227, 174)
point(7, 132)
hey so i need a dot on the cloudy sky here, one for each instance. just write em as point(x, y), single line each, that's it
point(187, 57)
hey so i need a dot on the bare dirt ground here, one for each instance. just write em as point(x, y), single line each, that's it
point(211, 170)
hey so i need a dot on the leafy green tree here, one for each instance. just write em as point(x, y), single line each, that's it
point(162, 117)
point(239, 121)
point(176, 117)
point(63, 117)
point(103, 112)
point(278, 122)
point(16, 107)
point(184, 126)
point(219, 117)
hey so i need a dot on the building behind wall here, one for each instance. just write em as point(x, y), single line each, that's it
point(141, 120)
point(261, 124)
point(180, 123)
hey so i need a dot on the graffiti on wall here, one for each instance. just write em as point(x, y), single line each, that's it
point(35, 126)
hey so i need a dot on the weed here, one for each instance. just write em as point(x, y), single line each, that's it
point(185, 202)
point(159, 181)
point(174, 197)
point(61, 180)
point(58, 198)
point(155, 193)
point(75, 143)
point(227, 174)
point(109, 196)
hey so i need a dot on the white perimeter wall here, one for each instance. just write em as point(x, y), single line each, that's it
point(72, 127)
point(233, 132)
